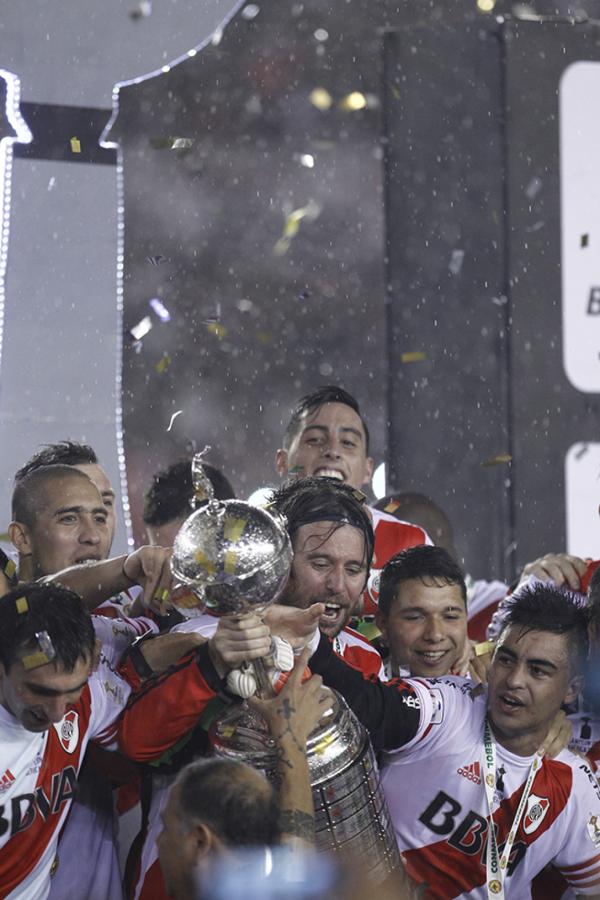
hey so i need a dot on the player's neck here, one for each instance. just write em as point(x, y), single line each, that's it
point(522, 744)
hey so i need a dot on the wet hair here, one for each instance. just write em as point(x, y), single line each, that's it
point(32, 608)
point(316, 499)
point(542, 607)
point(594, 598)
point(65, 453)
point(419, 562)
point(237, 809)
point(27, 490)
point(312, 403)
point(419, 509)
point(168, 497)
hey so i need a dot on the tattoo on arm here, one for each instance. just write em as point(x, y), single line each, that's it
point(297, 823)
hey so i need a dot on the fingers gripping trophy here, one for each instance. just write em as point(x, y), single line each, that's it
point(236, 559)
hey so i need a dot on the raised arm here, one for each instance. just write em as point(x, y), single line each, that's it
point(167, 707)
point(291, 716)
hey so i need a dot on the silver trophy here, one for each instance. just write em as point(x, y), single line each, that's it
point(236, 558)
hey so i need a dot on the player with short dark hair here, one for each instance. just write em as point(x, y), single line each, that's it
point(422, 613)
point(474, 758)
point(167, 500)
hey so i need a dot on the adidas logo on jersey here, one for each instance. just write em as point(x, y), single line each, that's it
point(472, 772)
point(6, 780)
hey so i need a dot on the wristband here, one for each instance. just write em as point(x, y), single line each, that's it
point(128, 577)
point(138, 660)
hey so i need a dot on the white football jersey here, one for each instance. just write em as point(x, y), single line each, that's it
point(436, 796)
point(38, 777)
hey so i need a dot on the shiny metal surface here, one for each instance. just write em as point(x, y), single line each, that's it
point(351, 815)
point(235, 557)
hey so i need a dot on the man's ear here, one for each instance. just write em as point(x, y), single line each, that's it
point(281, 462)
point(574, 689)
point(20, 538)
point(204, 840)
point(368, 470)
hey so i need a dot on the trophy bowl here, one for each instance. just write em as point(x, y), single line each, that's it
point(233, 556)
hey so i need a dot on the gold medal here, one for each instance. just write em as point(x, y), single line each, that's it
point(494, 886)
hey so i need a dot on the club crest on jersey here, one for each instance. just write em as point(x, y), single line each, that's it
point(593, 829)
point(373, 583)
point(537, 807)
point(68, 731)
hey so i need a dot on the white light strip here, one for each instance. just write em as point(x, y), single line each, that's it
point(22, 135)
point(119, 355)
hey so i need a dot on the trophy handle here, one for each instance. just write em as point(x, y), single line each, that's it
point(265, 689)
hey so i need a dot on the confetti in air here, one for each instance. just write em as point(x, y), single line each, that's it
point(585, 240)
point(534, 187)
point(75, 145)
point(321, 98)
point(160, 309)
point(250, 11)
point(155, 260)
point(173, 417)
point(497, 460)
point(141, 329)
point(215, 328)
point(310, 212)
point(51, 183)
point(163, 364)
point(456, 261)
point(413, 356)
point(142, 10)
point(172, 143)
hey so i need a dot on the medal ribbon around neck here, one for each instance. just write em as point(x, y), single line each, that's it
point(496, 865)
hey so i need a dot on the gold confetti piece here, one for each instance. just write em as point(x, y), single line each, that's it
point(34, 660)
point(75, 145)
point(414, 356)
point(233, 529)
point(497, 460)
point(163, 364)
point(391, 507)
point(230, 561)
point(353, 102)
point(291, 226)
point(10, 568)
point(486, 5)
point(483, 648)
point(320, 98)
point(217, 328)
point(324, 744)
point(203, 561)
point(22, 605)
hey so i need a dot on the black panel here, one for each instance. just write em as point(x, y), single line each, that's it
point(446, 283)
point(548, 413)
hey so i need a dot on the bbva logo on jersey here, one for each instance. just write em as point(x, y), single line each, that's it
point(68, 731)
point(537, 807)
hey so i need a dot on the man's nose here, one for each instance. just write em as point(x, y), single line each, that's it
point(335, 581)
point(90, 533)
point(433, 631)
point(515, 677)
point(55, 708)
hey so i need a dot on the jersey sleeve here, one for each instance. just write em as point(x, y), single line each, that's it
point(396, 713)
point(578, 860)
point(109, 696)
point(116, 635)
point(165, 708)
